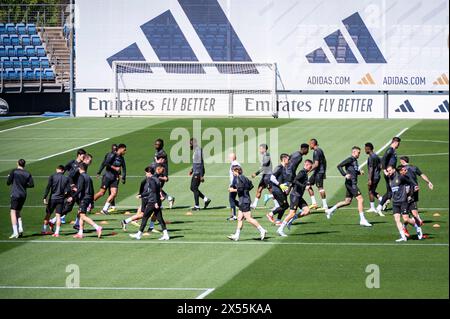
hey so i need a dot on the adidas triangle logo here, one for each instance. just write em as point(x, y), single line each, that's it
point(367, 80)
point(443, 108)
point(442, 80)
point(406, 107)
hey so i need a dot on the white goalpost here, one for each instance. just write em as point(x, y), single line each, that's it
point(192, 88)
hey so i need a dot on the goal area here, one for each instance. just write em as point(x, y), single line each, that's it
point(192, 88)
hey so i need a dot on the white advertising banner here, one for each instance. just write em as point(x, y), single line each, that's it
point(361, 45)
point(418, 107)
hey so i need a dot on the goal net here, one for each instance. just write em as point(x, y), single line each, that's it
point(193, 89)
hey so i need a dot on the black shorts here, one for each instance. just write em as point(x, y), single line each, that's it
point(110, 182)
point(317, 179)
point(17, 202)
point(401, 209)
point(416, 196)
point(373, 186)
point(244, 205)
point(84, 205)
point(265, 181)
point(297, 202)
point(55, 205)
point(412, 206)
point(352, 190)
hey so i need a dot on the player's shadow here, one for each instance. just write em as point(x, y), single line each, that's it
point(216, 207)
point(179, 207)
point(316, 233)
point(177, 230)
point(179, 222)
point(175, 237)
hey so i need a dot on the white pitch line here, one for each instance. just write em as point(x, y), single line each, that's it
point(430, 154)
point(174, 242)
point(27, 125)
point(72, 149)
point(207, 290)
point(428, 141)
point(206, 293)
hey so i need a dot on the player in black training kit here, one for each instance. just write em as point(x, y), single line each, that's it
point(351, 174)
point(198, 174)
point(242, 186)
point(294, 161)
point(296, 196)
point(266, 171)
point(402, 187)
point(389, 159)
point(161, 158)
point(100, 170)
point(278, 187)
point(151, 196)
point(85, 197)
point(373, 177)
point(320, 173)
point(59, 188)
point(73, 173)
point(413, 172)
point(20, 180)
point(115, 169)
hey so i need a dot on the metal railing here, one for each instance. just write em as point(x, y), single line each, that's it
point(49, 15)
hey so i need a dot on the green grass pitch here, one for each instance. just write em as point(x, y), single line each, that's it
point(319, 259)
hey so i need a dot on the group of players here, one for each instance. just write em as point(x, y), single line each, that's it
point(63, 191)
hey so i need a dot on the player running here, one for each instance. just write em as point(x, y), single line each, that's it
point(296, 197)
point(294, 161)
point(278, 186)
point(389, 159)
point(59, 188)
point(112, 208)
point(161, 158)
point(232, 195)
point(373, 177)
point(152, 198)
point(351, 173)
point(85, 196)
point(20, 180)
point(115, 170)
point(413, 172)
point(320, 169)
point(266, 170)
point(242, 186)
point(402, 187)
point(198, 175)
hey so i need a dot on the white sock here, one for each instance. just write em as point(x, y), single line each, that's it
point(255, 202)
point(165, 233)
point(275, 202)
point(313, 200)
point(324, 203)
point(80, 231)
point(333, 209)
point(283, 224)
point(260, 228)
point(20, 226)
point(402, 234)
point(372, 205)
point(205, 199)
point(57, 230)
point(379, 207)
point(139, 233)
point(53, 220)
point(128, 220)
point(361, 216)
point(106, 207)
point(15, 232)
point(97, 227)
point(44, 228)
point(237, 233)
point(169, 198)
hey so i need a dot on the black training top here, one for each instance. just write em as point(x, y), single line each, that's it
point(85, 187)
point(402, 187)
point(300, 183)
point(319, 156)
point(58, 185)
point(374, 166)
point(20, 180)
point(389, 158)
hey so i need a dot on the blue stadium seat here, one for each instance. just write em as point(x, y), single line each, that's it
point(2, 51)
point(2, 28)
point(10, 28)
point(14, 39)
point(21, 28)
point(5, 39)
point(25, 40)
point(28, 74)
point(13, 74)
point(15, 62)
point(45, 63)
point(49, 74)
point(36, 40)
point(40, 51)
point(19, 50)
point(35, 63)
point(24, 62)
point(38, 74)
point(30, 51)
point(10, 50)
point(6, 63)
point(31, 29)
